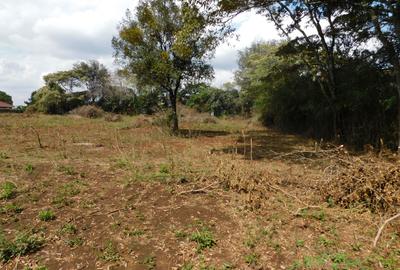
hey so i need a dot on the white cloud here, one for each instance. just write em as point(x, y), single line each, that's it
point(42, 36)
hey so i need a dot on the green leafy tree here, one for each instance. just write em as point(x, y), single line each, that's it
point(166, 44)
point(5, 97)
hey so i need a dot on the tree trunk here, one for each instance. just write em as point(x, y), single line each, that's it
point(397, 71)
point(174, 115)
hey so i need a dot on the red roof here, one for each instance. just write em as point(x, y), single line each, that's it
point(4, 105)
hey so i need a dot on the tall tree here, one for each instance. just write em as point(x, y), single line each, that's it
point(5, 97)
point(166, 44)
point(380, 20)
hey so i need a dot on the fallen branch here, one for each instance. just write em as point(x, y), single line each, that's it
point(378, 235)
point(201, 190)
point(307, 206)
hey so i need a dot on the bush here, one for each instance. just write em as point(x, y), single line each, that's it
point(112, 117)
point(88, 111)
point(23, 244)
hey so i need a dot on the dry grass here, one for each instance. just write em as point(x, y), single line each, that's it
point(129, 196)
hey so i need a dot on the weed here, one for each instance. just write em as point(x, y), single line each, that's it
point(110, 253)
point(319, 215)
point(46, 215)
point(8, 190)
point(204, 239)
point(356, 246)
point(24, 243)
point(69, 170)
point(322, 240)
point(164, 169)
point(227, 266)
point(135, 233)
point(149, 262)
point(3, 155)
point(251, 259)
point(74, 242)
point(69, 228)
point(11, 209)
point(181, 235)
point(299, 243)
point(29, 168)
point(187, 266)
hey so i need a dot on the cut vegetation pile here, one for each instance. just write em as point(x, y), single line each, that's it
point(88, 111)
point(375, 185)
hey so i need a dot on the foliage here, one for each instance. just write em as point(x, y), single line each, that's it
point(166, 45)
point(46, 215)
point(23, 244)
point(288, 97)
point(215, 101)
point(8, 190)
point(5, 98)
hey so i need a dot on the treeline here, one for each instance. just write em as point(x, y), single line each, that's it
point(337, 74)
point(90, 83)
point(288, 96)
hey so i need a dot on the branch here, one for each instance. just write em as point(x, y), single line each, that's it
point(378, 235)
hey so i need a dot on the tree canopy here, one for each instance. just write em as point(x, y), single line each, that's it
point(167, 45)
point(6, 98)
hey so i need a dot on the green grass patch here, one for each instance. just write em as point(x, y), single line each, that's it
point(8, 190)
point(23, 244)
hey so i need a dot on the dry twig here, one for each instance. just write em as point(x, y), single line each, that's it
point(378, 235)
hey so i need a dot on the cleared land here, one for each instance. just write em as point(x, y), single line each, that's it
point(82, 193)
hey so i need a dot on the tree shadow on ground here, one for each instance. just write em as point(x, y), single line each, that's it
point(193, 133)
point(271, 144)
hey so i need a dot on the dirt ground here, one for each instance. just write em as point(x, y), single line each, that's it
point(227, 194)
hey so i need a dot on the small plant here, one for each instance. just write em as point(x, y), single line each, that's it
point(46, 215)
point(204, 239)
point(11, 208)
point(187, 266)
point(29, 168)
point(74, 242)
point(164, 168)
point(325, 241)
point(8, 190)
point(69, 170)
point(251, 259)
point(136, 233)
point(69, 228)
point(3, 155)
point(149, 262)
point(110, 253)
point(181, 235)
point(23, 244)
point(299, 243)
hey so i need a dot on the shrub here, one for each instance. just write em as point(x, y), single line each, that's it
point(88, 111)
point(46, 215)
point(112, 117)
point(8, 190)
point(23, 244)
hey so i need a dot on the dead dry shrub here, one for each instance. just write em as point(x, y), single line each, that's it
point(110, 117)
point(253, 184)
point(141, 121)
point(88, 111)
point(374, 184)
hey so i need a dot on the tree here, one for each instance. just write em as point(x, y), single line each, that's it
point(166, 45)
point(95, 77)
point(369, 19)
point(6, 98)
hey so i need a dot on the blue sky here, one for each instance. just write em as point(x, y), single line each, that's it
point(42, 36)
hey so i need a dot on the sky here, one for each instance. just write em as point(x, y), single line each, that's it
point(43, 36)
